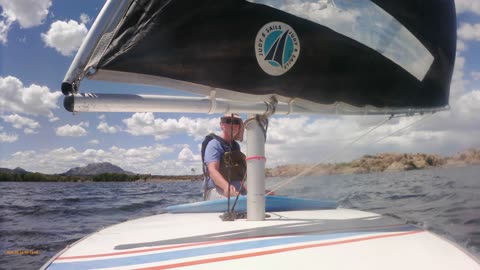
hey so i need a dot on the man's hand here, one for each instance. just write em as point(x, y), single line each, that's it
point(233, 191)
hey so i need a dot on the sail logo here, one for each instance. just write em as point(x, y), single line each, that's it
point(277, 48)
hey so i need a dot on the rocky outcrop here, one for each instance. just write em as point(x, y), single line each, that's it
point(380, 163)
point(287, 170)
point(469, 157)
point(395, 162)
point(97, 168)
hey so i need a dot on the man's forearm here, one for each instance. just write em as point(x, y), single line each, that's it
point(218, 179)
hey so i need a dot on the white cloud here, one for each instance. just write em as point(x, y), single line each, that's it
point(33, 100)
point(30, 131)
point(8, 138)
point(295, 139)
point(27, 13)
point(461, 46)
point(145, 124)
point(148, 160)
point(310, 140)
point(65, 37)
point(22, 40)
point(94, 142)
point(465, 112)
point(475, 75)
point(105, 128)
point(140, 124)
point(54, 119)
point(469, 31)
point(458, 85)
point(320, 11)
point(4, 27)
point(72, 130)
point(20, 122)
point(187, 155)
point(462, 6)
point(307, 140)
point(84, 18)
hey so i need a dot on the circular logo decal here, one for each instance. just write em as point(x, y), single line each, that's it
point(277, 48)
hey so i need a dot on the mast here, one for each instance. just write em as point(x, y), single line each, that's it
point(256, 169)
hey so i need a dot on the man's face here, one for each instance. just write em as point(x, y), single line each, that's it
point(230, 126)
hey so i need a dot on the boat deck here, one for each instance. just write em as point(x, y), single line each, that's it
point(332, 239)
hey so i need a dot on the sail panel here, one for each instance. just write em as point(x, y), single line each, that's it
point(367, 23)
point(402, 56)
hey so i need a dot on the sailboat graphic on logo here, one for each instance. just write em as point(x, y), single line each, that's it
point(275, 55)
point(277, 48)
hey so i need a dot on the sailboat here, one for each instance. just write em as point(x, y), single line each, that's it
point(266, 57)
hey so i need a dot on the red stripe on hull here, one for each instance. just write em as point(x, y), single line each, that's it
point(273, 251)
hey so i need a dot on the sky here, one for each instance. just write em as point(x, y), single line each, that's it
point(39, 38)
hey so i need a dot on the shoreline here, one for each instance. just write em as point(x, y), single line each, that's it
point(168, 178)
point(384, 162)
point(269, 174)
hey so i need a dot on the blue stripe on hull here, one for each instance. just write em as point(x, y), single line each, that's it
point(203, 251)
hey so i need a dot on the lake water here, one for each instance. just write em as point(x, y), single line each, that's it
point(45, 217)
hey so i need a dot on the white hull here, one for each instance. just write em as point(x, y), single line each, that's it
point(317, 239)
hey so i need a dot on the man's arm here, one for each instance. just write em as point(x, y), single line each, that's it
point(219, 180)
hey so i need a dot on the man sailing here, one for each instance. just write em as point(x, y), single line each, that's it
point(224, 164)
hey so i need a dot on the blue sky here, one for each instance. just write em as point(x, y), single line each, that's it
point(38, 39)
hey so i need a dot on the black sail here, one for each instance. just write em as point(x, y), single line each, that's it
point(217, 44)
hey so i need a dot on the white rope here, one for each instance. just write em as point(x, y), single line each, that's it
point(331, 156)
point(405, 127)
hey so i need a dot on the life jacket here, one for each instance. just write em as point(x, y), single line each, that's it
point(232, 165)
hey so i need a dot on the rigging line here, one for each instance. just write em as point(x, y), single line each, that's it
point(239, 192)
point(331, 156)
point(230, 164)
point(407, 126)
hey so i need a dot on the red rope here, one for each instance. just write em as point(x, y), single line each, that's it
point(256, 157)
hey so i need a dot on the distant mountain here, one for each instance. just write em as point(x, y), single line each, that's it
point(20, 170)
point(96, 168)
point(17, 170)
